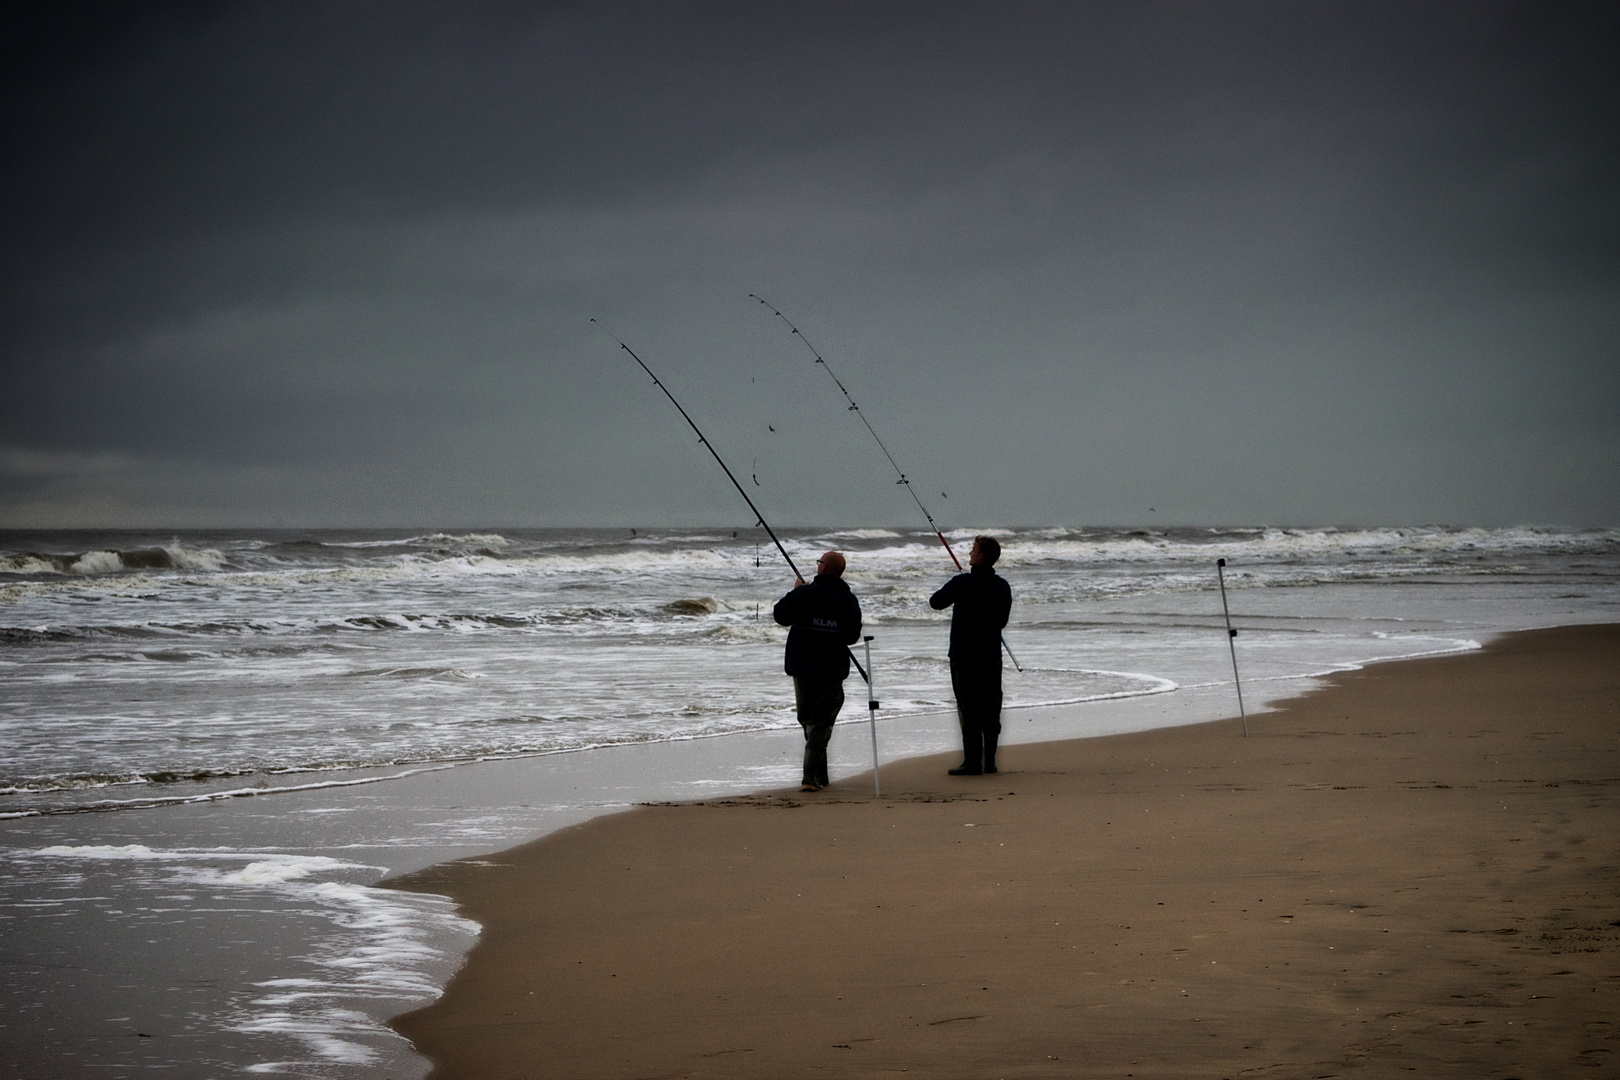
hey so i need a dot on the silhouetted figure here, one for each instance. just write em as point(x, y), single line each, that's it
point(982, 602)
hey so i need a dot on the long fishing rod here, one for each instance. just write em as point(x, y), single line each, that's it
point(760, 518)
point(903, 481)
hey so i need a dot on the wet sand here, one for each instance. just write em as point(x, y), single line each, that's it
point(1415, 871)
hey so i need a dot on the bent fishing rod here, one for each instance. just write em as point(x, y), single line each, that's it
point(903, 481)
point(707, 445)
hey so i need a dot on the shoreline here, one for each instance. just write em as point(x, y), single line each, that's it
point(675, 923)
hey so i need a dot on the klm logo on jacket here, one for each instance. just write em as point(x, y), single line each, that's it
point(824, 620)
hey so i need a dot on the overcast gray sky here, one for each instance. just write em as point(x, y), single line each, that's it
point(1109, 263)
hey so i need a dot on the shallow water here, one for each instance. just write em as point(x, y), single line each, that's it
point(146, 666)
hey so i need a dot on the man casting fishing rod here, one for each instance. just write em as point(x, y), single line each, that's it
point(983, 602)
point(826, 619)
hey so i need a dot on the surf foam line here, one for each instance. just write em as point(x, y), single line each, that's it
point(295, 865)
point(216, 796)
point(1462, 645)
point(1160, 686)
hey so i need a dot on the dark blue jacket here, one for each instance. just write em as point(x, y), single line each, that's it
point(826, 620)
point(983, 602)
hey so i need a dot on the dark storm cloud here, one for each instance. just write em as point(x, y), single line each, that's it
point(1280, 261)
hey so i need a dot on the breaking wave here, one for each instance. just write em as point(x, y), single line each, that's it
point(112, 561)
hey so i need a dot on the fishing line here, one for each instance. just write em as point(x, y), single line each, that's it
point(903, 480)
point(758, 517)
point(856, 409)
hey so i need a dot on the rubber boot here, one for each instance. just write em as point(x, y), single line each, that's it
point(972, 756)
point(990, 751)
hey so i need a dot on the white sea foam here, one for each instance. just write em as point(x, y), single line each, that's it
point(265, 872)
point(302, 864)
point(97, 562)
point(488, 540)
point(381, 949)
point(861, 534)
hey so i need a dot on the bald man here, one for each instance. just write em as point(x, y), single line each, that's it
point(825, 619)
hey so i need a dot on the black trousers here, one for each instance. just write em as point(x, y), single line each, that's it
point(977, 685)
point(818, 702)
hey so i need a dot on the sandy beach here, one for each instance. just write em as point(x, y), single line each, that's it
point(1414, 869)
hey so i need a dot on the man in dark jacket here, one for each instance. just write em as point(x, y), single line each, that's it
point(983, 602)
point(826, 620)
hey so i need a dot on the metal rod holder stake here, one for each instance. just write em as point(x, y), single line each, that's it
point(1231, 642)
point(872, 708)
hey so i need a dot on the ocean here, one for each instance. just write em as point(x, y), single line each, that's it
point(213, 745)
